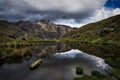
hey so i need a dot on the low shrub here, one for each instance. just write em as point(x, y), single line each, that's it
point(79, 70)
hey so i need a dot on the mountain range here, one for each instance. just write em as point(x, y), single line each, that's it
point(40, 29)
point(105, 31)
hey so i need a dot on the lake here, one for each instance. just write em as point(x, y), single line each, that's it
point(59, 61)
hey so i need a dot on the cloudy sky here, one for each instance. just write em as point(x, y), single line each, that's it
point(68, 12)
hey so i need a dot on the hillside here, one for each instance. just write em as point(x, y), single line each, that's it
point(24, 30)
point(105, 31)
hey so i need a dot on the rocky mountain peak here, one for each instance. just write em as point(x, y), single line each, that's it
point(43, 29)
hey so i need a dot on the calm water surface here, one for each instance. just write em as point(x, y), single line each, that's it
point(59, 62)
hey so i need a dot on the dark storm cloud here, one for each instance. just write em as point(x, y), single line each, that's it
point(48, 9)
point(53, 15)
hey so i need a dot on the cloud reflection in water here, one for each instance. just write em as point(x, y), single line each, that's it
point(99, 62)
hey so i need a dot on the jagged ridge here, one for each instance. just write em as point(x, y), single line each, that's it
point(42, 29)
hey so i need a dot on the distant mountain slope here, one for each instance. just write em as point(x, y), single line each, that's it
point(43, 29)
point(107, 30)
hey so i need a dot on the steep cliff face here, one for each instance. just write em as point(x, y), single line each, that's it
point(51, 30)
point(43, 29)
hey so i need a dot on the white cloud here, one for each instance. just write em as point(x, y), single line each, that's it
point(49, 9)
point(104, 13)
point(69, 22)
point(99, 14)
point(65, 12)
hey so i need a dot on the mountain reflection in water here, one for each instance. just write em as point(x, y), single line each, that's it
point(60, 64)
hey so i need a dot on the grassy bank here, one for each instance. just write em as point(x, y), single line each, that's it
point(86, 77)
point(26, 43)
point(93, 41)
point(30, 42)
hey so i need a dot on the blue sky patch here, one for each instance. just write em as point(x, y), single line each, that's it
point(113, 4)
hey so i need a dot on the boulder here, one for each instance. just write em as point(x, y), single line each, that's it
point(105, 31)
point(25, 37)
point(35, 64)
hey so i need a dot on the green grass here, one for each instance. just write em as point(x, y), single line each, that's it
point(97, 40)
point(103, 32)
point(14, 52)
point(18, 45)
point(79, 70)
point(115, 63)
point(96, 74)
point(85, 77)
point(116, 73)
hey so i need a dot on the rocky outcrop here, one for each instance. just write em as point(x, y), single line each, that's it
point(25, 37)
point(43, 29)
point(105, 31)
point(50, 30)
